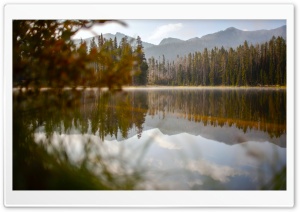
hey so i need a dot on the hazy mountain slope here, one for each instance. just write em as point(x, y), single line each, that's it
point(170, 41)
point(230, 37)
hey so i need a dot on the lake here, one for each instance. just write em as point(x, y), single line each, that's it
point(158, 138)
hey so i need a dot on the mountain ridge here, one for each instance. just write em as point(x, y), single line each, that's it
point(228, 38)
point(172, 47)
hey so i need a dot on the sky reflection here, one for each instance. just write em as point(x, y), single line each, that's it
point(181, 161)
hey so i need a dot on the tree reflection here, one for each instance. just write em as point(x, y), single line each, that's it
point(263, 110)
point(115, 114)
point(91, 111)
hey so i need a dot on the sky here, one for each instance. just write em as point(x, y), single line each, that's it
point(153, 31)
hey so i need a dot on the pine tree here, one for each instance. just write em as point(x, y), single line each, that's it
point(206, 68)
point(142, 75)
point(212, 67)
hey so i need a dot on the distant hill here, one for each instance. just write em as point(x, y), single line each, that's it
point(231, 37)
point(118, 35)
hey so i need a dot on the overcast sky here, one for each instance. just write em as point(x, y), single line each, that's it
point(153, 31)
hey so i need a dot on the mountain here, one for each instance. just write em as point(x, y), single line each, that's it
point(170, 41)
point(231, 37)
point(173, 47)
point(119, 37)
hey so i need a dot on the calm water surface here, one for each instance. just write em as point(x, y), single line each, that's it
point(182, 139)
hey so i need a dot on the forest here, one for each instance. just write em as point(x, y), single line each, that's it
point(247, 65)
point(107, 53)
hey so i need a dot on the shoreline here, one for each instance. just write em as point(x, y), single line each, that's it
point(158, 87)
point(161, 87)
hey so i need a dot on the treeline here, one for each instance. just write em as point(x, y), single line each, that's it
point(111, 60)
point(254, 65)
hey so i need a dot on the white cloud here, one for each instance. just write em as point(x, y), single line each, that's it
point(164, 30)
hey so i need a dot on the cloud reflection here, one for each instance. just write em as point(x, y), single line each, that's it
point(181, 161)
point(215, 171)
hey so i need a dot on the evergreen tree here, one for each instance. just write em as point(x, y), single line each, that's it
point(141, 77)
point(206, 68)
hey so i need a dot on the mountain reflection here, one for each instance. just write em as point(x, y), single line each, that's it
point(121, 114)
point(181, 161)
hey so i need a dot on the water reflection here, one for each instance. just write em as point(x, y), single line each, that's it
point(178, 139)
point(181, 161)
point(231, 116)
